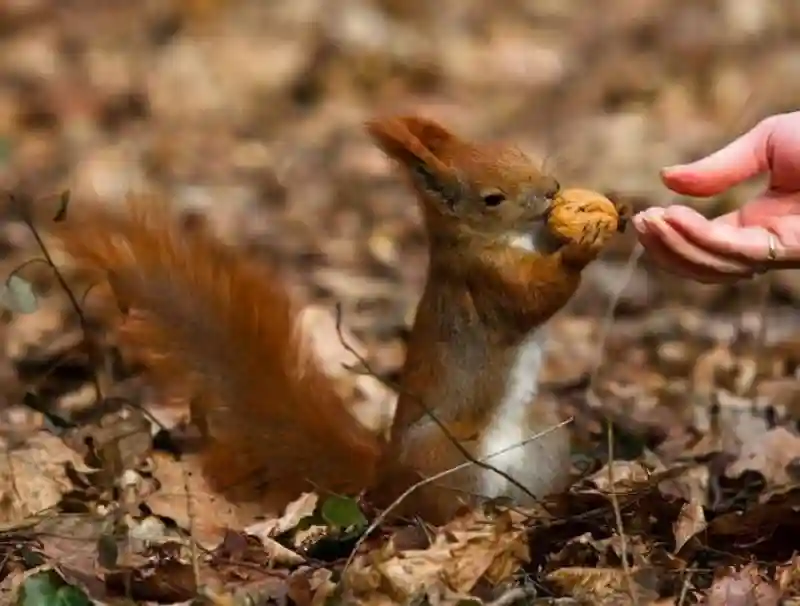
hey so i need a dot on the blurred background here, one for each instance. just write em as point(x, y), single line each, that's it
point(250, 112)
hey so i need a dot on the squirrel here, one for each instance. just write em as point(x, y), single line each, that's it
point(507, 246)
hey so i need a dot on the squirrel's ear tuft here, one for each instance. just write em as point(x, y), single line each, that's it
point(400, 135)
point(417, 144)
point(435, 137)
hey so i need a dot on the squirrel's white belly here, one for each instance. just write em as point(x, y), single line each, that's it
point(538, 463)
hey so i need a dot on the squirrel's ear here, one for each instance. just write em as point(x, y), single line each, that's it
point(400, 135)
point(417, 144)
point(435, 137)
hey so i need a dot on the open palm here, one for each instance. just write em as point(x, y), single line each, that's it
point(735, 245)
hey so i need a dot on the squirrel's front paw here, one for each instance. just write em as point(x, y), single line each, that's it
point(584, 221)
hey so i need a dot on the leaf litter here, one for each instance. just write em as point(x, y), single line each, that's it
point(259, 104)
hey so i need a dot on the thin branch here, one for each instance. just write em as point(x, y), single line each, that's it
point(685, 587)
point(460, 447)
point(623, 542)
point(23, 265)
point(190, 514)
point(27, 218)
point(760, 344)
point(605, 329)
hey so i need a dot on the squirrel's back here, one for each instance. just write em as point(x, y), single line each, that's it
point(202, 312)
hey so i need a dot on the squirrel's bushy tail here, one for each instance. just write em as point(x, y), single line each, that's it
point(204, 313)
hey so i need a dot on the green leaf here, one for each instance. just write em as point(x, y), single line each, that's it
point(40, 588)
point(342, 512)
point(18, 295)
point(49, 589)
point(69, 595)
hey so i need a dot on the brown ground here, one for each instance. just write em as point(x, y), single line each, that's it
point(251, 111)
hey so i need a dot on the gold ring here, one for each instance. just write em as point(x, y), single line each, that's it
point(772, 252)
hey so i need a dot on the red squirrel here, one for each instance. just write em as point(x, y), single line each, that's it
point(506, 250)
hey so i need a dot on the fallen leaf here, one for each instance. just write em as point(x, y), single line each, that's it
point(770, 455)
point(691, 521)
point(471, 548)
point(302, 507)
point(625, 473)
point(744, 587)
point(33, 477)
point(603, 585)
point(212, 513)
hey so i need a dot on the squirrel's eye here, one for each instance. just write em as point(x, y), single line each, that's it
point(552, 192)
point(494, 199)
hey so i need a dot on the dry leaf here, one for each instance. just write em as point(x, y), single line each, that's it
point(33, 477)
point(691, 521)
point(770, 454)
point(625, 473)
point(311, 587)
point(471, 548)
point(744, 587)
point(602, 585)
point(295, 511)
point(280, 555)
point(212, 513)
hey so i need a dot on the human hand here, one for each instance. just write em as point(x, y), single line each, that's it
point(763, 234)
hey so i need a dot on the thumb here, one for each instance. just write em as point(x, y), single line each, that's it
point(743, 158)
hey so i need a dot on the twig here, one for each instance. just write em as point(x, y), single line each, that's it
point(623, 542)
point(605, 329)
point(27, 218)
point(760, 344)
point(685, 587)
point(191, 517)
point(437, 476)
point(460, 447)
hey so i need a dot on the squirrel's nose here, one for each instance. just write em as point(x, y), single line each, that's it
point(553, 188)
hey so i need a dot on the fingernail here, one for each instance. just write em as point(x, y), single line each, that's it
point(680, 212)
point(654, 213)
point(668, 171)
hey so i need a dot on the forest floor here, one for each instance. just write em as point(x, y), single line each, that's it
point(250, 113)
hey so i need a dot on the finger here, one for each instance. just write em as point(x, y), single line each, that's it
point(639, 220)
point(681, 246)
point(751, 244)
point(671, 263)
point(743, 158)
point(787, 239)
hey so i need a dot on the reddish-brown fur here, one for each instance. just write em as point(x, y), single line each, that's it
point(482, 296)
point(204, 315)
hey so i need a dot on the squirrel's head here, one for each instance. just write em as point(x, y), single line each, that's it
point(487, 190)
